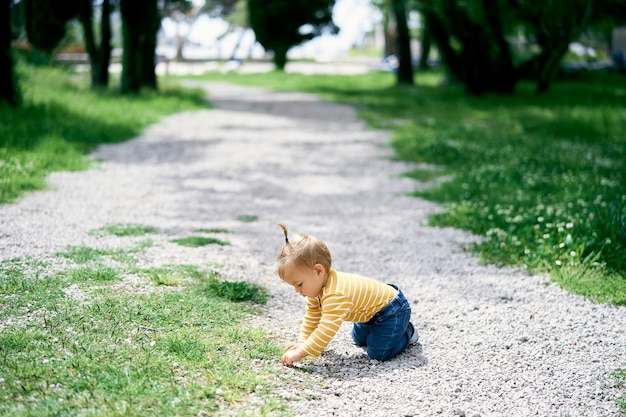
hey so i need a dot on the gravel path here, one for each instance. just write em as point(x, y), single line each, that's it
point(494, 342)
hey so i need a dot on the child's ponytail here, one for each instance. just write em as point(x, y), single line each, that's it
point(282, 226)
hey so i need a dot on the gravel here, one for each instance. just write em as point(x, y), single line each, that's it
point(494, 341)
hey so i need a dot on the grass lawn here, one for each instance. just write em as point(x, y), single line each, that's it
point(541, 178)
point(88, 333)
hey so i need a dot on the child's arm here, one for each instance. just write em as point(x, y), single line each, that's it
point(336, 308)
point(312, 316)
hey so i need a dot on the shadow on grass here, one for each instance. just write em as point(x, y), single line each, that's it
point(25, 127)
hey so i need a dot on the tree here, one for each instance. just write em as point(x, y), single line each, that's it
point(45, 26)
point(606, 15)
point(389, 27)
point(9, 89)
point(426, 42)
point(99, 54)
point(473, 38)
point(554, 26)
point(470, 39)
point(221, 8)
point(45, 22)
point(237, 17)
point(140, 23)
point(405, 61)
point(181, 11)
point(282, 24)
point(397, 37)
point(184, 11)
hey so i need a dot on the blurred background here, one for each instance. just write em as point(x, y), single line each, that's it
point(517, 37)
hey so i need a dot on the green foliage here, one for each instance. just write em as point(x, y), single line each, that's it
point(61, 120)
point(541, 178)
point(45, 22)
point(278, 24)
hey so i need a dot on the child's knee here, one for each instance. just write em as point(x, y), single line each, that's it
point(380, 355)
point(359, 335)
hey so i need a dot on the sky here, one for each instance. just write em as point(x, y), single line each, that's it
point(355, 19)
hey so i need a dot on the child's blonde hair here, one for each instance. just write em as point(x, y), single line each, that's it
point(302, 250)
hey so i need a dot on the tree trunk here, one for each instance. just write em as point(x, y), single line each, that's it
point(556, 39)
point(140, 23)
point(389, 32)
point(233, 55)
point(9, 90)
point(548, 65)
point(102, 72)
point(425, 46)
point(439, 35)
point(180, 42)
point(405, 68)
point(131, 79)
point(504, 74)
point(99, 56)
point(280, 57)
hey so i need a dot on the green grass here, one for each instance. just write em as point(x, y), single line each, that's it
point(173, 275)
point(621, 384)
point(541, 178)
point(197, 241)
point(100, 273)
point(62, 120)
point(247, 218)
point(84, 254)
point(125, 230)
point(203, 230)
point(72, 345)
point(238, 291)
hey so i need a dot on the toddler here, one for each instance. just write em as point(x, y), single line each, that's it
point(380, 312)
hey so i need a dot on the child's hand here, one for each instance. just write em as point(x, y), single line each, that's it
point(294, 354)
point(292, 345)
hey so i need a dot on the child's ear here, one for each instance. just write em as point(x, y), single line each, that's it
point(319, 269)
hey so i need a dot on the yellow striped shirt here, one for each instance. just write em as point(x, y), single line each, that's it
point(345, 297)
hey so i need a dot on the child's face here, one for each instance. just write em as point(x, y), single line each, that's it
point(306, 281)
